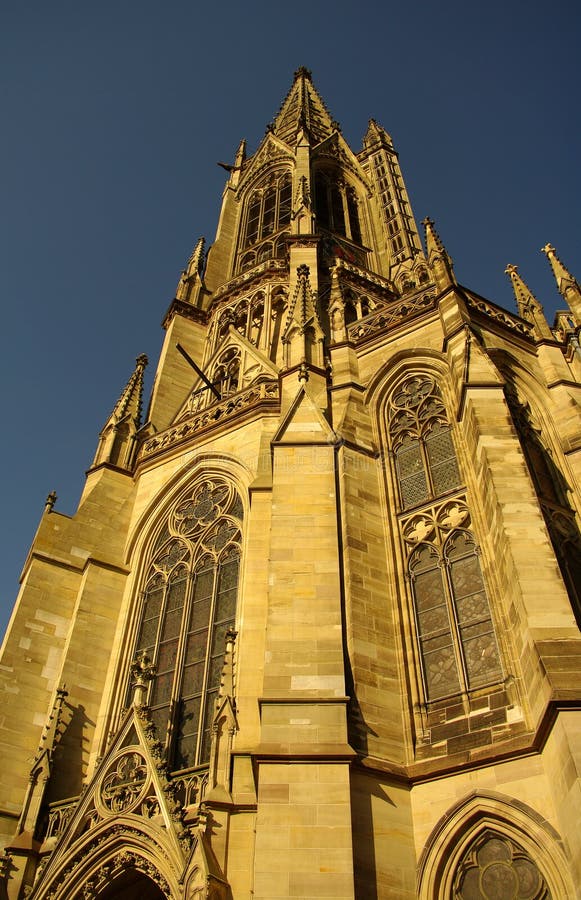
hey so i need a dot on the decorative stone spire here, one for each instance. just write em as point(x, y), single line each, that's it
point(240, 157)
point(337, 308)
point(129, 403)
point(227, 680)
point(438, 257)
point(52, 732)
point(303, 109)
point(42, 767)
point(303, 334)
point(528, 306)
point(224, 727)
point(117, 437)
point(192, 273)
point(567, 285)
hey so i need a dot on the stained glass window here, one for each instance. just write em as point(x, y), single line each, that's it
point(456, 639)
point(420, 435)
point(189, 604)
point(458, 645)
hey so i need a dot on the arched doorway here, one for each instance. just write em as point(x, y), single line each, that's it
point(132, 885)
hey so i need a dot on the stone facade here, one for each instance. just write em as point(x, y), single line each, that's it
point(313, 630)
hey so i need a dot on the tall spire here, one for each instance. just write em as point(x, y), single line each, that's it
point(303, 109)
point(528, 306)
point(568, 285)
point(438, 257)
point(117, 436)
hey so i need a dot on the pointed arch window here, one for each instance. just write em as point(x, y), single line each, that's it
point(421, 441)
point(458, 648)
point(189, 604)
point(458, 645)
point(268, 210)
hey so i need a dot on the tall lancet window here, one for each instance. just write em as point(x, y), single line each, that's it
point(458, 650)
point(189, 603)
point(421, 441)
point(268, 209)
point(336, 206)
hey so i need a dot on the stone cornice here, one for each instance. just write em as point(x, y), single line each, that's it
point(181, 308)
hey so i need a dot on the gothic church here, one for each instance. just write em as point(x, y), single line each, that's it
point(313, 630)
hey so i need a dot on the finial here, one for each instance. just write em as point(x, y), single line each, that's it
point(303, 72)
point(50, 502)
point(438, 257)
point(141, 361)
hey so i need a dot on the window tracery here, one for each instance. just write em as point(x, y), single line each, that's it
point(189, 604)
point(495, 867)
point(421, 441)
point(458, 649)
point(268, 210)
point(226, 373)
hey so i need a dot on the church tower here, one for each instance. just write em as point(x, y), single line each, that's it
point(313, 630)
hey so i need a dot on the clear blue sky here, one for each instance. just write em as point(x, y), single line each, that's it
point(114, 115)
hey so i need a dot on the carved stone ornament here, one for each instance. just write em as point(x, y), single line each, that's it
point(124, 785)
point(435, 522)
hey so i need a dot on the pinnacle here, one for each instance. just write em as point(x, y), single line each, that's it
point(438, 257)
point(523, 294)
point(303, 108)
point(528, 306)
point(129, 402)
point(433, 240)
point(567, 284)
point(562, 274)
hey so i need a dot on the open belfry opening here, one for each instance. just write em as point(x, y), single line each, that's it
point(313, 630)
